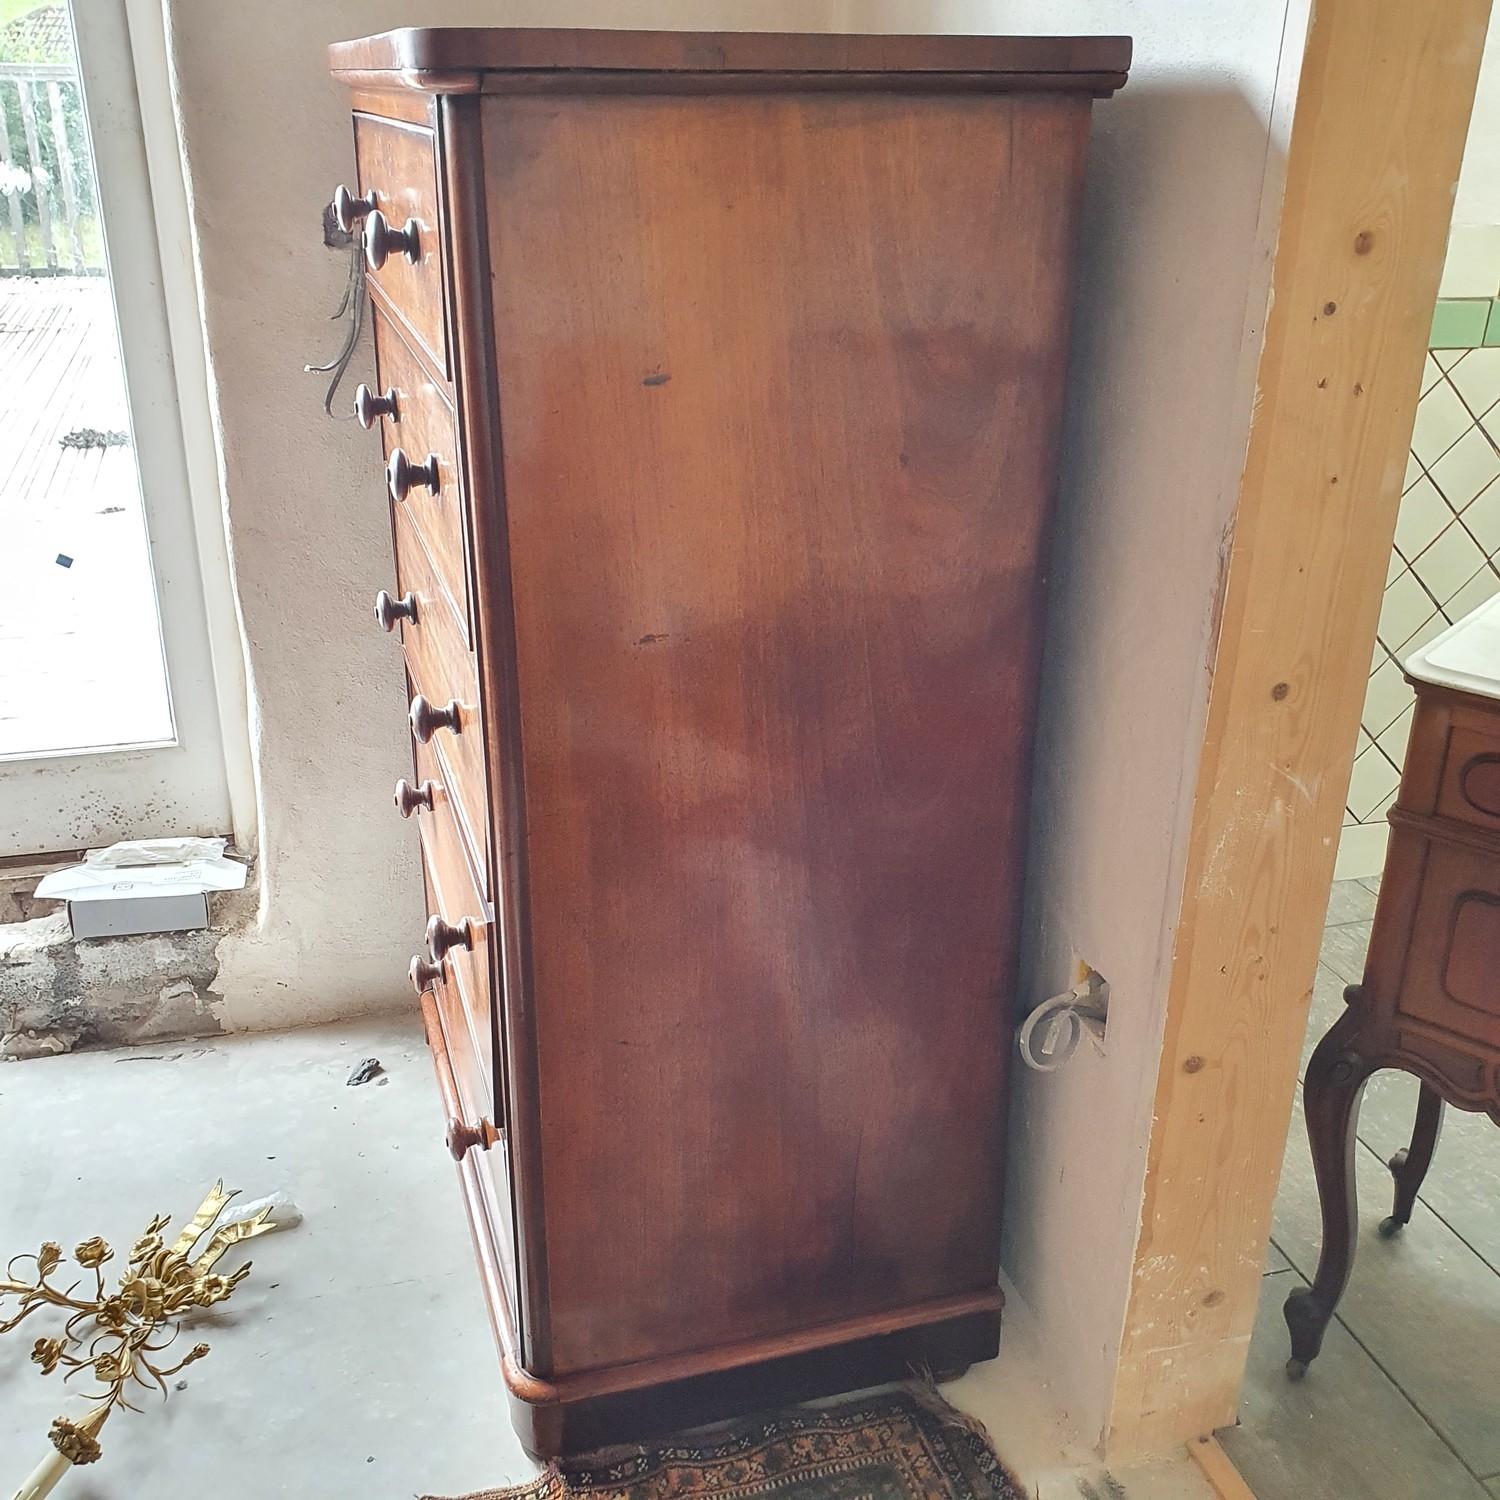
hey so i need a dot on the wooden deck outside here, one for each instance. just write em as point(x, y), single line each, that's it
point(80, 651)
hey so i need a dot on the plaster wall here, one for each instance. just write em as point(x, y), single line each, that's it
point(1174, 280)
point(1184, 200)
point(1478, 197)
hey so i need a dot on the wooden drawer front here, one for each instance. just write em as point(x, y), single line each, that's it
point(487, 1197)
point(451, 895)
point(424, 428)
point(1455, 943)
point(446, 829)
point(399, 163)
point(1470, 789)
point(486, 1168)
point(469, 1066)
point(442, 671)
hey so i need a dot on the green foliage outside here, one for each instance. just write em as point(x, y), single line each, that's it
point(43, 38)
point(39, 41)
point(62, 242)
point(11, 10)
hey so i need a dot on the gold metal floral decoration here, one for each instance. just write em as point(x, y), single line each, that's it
point(121, 1339)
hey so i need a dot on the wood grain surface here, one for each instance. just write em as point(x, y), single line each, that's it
point(424, 427)
point(455, 54)
point(451, 894)
point(779, 381)
point(397, 161)
point(443, 672)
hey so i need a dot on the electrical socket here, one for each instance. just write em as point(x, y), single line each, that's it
point(1094, 1016)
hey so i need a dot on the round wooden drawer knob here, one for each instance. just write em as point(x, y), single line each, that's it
point(424, 973)
point(427, 720)
point(369, 408)
point(463, 1137)
point(443, 937)
point(402, 476)
point(349, 210)
point(388, 611)
point(412, 799)
point(383, 241)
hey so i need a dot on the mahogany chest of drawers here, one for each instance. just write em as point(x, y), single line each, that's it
point(719, 379)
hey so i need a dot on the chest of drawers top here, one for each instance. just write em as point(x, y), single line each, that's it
point(461, 59)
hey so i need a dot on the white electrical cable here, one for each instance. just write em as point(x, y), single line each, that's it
point(1049, 1036)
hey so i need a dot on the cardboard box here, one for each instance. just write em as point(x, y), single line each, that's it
point(107, 914)
point(146, 885)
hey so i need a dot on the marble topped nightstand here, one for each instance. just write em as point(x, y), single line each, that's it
point(1429, 1002)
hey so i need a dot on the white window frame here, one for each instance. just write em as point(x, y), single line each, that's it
point(203, 780)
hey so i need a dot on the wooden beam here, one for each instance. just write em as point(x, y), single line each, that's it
point(1377, 138)
point(1218, 1468)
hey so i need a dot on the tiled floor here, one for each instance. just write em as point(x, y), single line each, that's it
point(1404, 1401)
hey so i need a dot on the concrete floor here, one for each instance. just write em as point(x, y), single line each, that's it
point(1404, 1401)
point(356, 1359)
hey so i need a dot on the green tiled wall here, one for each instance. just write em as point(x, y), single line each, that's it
point(1465, 323)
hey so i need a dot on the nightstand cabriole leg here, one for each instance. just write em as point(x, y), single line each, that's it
point(1409, 1165)
point(1335, 1081)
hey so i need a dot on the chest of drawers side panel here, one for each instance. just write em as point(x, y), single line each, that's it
point(463, 178)
point(781, 379)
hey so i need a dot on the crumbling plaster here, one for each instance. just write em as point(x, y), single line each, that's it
point(57, 993)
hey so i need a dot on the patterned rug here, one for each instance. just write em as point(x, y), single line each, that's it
point(905, 1444)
